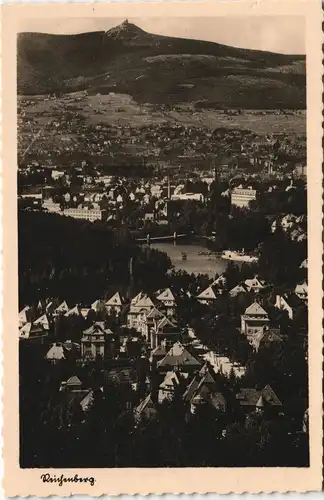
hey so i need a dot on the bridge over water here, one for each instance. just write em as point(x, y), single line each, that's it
point(151, 239)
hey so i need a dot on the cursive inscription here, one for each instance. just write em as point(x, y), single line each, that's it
point(52, 478)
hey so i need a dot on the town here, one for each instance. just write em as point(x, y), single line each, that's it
point(163, 266)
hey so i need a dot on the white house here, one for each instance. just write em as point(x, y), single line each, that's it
point(114, 304)
point(254, 320)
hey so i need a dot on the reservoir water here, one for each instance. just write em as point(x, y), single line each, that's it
point(195, 263)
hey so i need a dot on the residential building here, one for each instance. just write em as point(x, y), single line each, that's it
point(241, 197)
point(208, 296)
point(98, 305)
point(178, 357)
point(167, 298)
point(74, 311)
point(115, 304)
point(140, 306)
point(61, 309)
point(24, 316)
point(255, 284)
point(169, 386)
point(268, 338)
point(56, 353)
point(289, 303)
point(166, 331)
point(43, 321)
point(95, 340)
point(90, 214)
point(146, 410)
point(251, 400)
point(149, 323)
point(240, 288)
point(49, 205)
point(30, 331)
point(254, 320)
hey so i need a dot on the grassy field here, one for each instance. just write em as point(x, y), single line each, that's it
point(122, 110)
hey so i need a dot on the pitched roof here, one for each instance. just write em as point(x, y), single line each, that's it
point(136, 298)
point(251, 397)
point(165, 322)
point(63, 307)
point(42, 319)
point(171, 379)
point(293, 300)
point(57, 351)
point(270, 396)
point(270, 335)
point(30, 330)
point(144, 302)
point(160, 350)
point(208, 294)
point(119, 375)
point(179, 356)
point(146, 403)
point(255, 309)
point(97, 305)
point(115, 300)
point(75, 311)
point(74, 380)
point(254, 283)
point(84, 311)
point(240, 288)
point(155, 314)
point(166, 295)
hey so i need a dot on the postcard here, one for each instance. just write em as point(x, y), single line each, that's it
point(162, 255)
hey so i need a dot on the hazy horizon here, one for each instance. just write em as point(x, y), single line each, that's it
point(279, 34)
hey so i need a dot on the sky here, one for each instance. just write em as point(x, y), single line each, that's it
point(281, 34)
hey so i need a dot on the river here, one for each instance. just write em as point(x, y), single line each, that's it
point(195, 263)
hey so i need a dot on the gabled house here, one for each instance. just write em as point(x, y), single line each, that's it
point(166, 331)
point(43, 321)
point(72, 384)
point(253, 400)
point(95, 339)
point(146, 410)
point(178, 357)
point(74, 311)
point(255, 284)
point(98, 305)
point(168, 299)
point(208, 296)
point(24, 316)
point(159, 352)
point(61, 309)
point(169, 386)
point(115, 304)
point(30, 331)
point(140, 306)
point(149, 323)
point(56, 353)
point(254, 320)
point(267, 338)
point(240, 288)
point(205, 395)
point(289, 303)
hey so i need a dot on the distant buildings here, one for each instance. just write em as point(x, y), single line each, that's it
point(90, 214)
point(241, 197)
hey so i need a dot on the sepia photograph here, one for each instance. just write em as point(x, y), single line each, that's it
point(162, 242)
point(162, 252)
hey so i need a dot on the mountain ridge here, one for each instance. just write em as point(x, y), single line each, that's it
point(159, 69)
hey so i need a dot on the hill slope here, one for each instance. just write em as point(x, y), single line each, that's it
point(159, 69)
